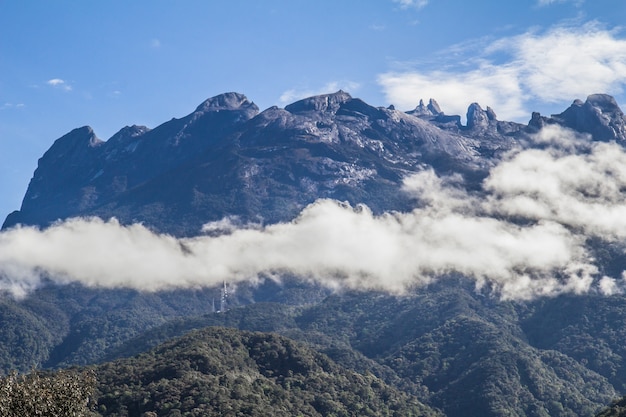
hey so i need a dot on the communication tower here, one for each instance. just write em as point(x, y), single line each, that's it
point(224, 299)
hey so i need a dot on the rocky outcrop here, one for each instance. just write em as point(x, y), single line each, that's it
point(433, 113)
point(228, 102)
point(430, 110)
point(477, 118)
point(599, 115)
point(321, 103)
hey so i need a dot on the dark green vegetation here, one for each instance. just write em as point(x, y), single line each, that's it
point(58, 394)
point(226, 372)
point(618, 409)
point(446, 345)
point(71, 325)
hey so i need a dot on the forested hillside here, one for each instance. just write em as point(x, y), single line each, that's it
point(437, 343)
point(225, 372)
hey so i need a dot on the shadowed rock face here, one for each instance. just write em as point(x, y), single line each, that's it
point(599, 115)
point(80, 173)
point(226, 158)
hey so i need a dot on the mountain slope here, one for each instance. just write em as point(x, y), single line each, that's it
point(453, 349)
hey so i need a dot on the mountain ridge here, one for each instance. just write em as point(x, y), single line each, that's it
point(330, 139)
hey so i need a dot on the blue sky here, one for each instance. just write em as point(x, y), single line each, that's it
point(67, 64)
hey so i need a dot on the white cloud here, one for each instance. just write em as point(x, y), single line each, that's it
point(569, 62)
point(59, 83)
point(405, 4)
point(330, 243)
point(558, 65)
point(291, 95)
point(583, 190)
point(609, 286)
point(155, 43)
point(489, 84)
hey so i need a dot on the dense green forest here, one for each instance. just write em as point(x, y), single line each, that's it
point(446, 346)
point(617, 409)
point(65, 393)
point(226, 372)
point(209, 372)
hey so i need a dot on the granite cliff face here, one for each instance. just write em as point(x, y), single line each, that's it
point(226, 158)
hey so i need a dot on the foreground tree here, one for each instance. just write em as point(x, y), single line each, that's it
point(63, 393)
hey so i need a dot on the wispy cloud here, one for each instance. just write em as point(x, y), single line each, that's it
point(542, 3)
point(377, 27)
point(406, 4)
point(155, 43)
point(59, 83)
point(291, 95)
point(560, 64)
point(566, 190)
point(7, 106)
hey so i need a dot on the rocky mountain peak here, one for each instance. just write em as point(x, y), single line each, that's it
point(79, 141)
point(128, 132)
point(226, 101)
point(420, 110)
point(604, 102)
point(432, 109)
point(433, 106)
point(599, 115)
point(477, 117)
point(321, 103)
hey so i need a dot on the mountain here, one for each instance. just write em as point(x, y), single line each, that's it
point(227, 159)
point(446, 344)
